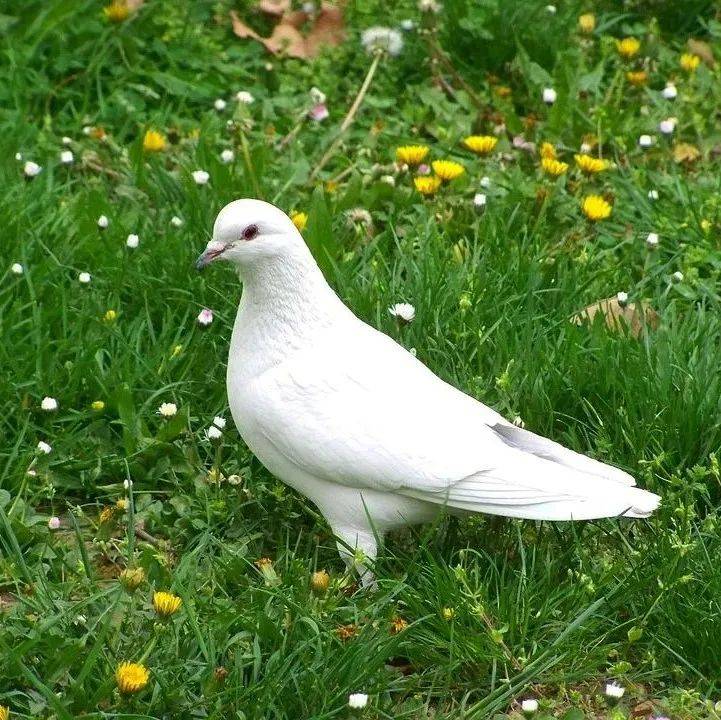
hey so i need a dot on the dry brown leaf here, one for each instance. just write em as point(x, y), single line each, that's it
point(286, 39)
point(274, 7)
point(703, 50)
point(685, 152)
point(642, 709)
point(633, 315)
point(328, 29)
point(241, 29)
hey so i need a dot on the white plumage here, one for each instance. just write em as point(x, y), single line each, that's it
point(349, 418)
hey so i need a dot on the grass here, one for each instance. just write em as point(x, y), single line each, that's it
point(471, 616)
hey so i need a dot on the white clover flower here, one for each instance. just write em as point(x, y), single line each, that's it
point(133, 241)
point(66, 140)
point(205, 317)
point(219, 104)
point(213, 433)
point(403, 311)
point(227, 156)
point(407, 25)
point(54, 523)
point(645, 141)
point(175, 221)
point(357, 701)
point(430, 6)
point(479, 202)
point(84, 278)
point(317, 97)
point(485, 182)
point(388, 180)
point(167, 410)
point(653, 194)
point(669, 92)
point(667, 126)
point(382, 39)
point(201, 177)
point(615, 691)
point(31, 169)
point(622, 298)
point(529, 706)
point(677, 276)
point(43, 447)
point(17, 269)
point(652, 240)
point(49, 404)
point(219, 422)
point(103, 222)
point(549, 96)
point(67, 157)
point(243, 96)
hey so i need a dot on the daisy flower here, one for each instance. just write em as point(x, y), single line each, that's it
point(549, 96)
point(404, 312)
point(103, 222)
point(357, 701)
point(175, 221)
point(167, 410)
point(213, 433)
point(479, 202)
point(200, 177)
point(44, 448)
point(17, 269)
point(49, 404)
point(133, 241)
point(652, 240)
point(84, 278)
point(67, 157)
point(31, 169)
point(205, 317)
point(227, 156)
point(219, 104)
point(244, 97)
point(54, 523)
point(669, 92)
point(529, 706)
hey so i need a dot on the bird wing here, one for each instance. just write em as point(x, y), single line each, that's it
point(361, 411)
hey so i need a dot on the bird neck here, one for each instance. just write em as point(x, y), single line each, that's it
point(286, 306)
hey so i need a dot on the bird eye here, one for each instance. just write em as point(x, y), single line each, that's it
point(250, 232)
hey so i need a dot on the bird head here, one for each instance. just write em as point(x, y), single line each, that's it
point(248, 230)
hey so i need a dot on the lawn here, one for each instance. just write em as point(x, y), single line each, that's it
point(125, 129)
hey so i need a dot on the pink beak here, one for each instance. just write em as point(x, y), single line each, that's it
point(213, 251)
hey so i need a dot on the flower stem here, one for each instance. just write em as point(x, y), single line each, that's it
point(350, 116)
point(249, 164)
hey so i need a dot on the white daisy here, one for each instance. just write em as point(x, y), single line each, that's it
point(645, 141)
point(652, 240)
point(357, 701)
point(382, 39)
point(49, 404)
point(407, 25)
point(622, 298)
point(669, 92)
point(549, 96)
point(667, 126)
point(31, 169)
point(17, 269)
point(403, 311)
point(133, 241)
point(529, 706)
point(485, 182)
point(167, 410)
point(205, 317)
point(66, 140)
point(227, 156)
point(43, 447)
point(615, 691)
point(103, 222)
point(67, 157)
point(213, 433)
point(653, 194)
point(219, 104)
point(677, 276)
point(479, 202)
point(54, 523)
point(84, 278)
point(201, 177)
point(175, 221)
point(219, 422)
point(243, 96)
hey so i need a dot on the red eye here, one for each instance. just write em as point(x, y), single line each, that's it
point(250, 232)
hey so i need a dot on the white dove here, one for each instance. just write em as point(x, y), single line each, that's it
point(353, 421)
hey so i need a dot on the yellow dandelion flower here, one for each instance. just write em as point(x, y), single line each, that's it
point(637, 77)
point(117, 11)
point(106, 514)
point(110, 316)
point(628, 47)
point(411, 154)
point(480, 144)
point(553, 167)
point(166, 603)
point(427, 184)
point(153, 141)
point(131, 677)
point(689, 62)
point(587, 23)
point(121, 504)
point(98, 405)
point(590, 165)
point(4, 712)
point(503, 91)
point(319, 582)
point(595, 208)
point(448, 613)
point(398, 624)
point(447, 170)
point(548, 151)
point(300, 220)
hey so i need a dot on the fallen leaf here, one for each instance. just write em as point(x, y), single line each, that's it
point(685, 152)
point(703, 50)
point(327, 29)
point(635, 316)
point(642, 709)
point(274, 7)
